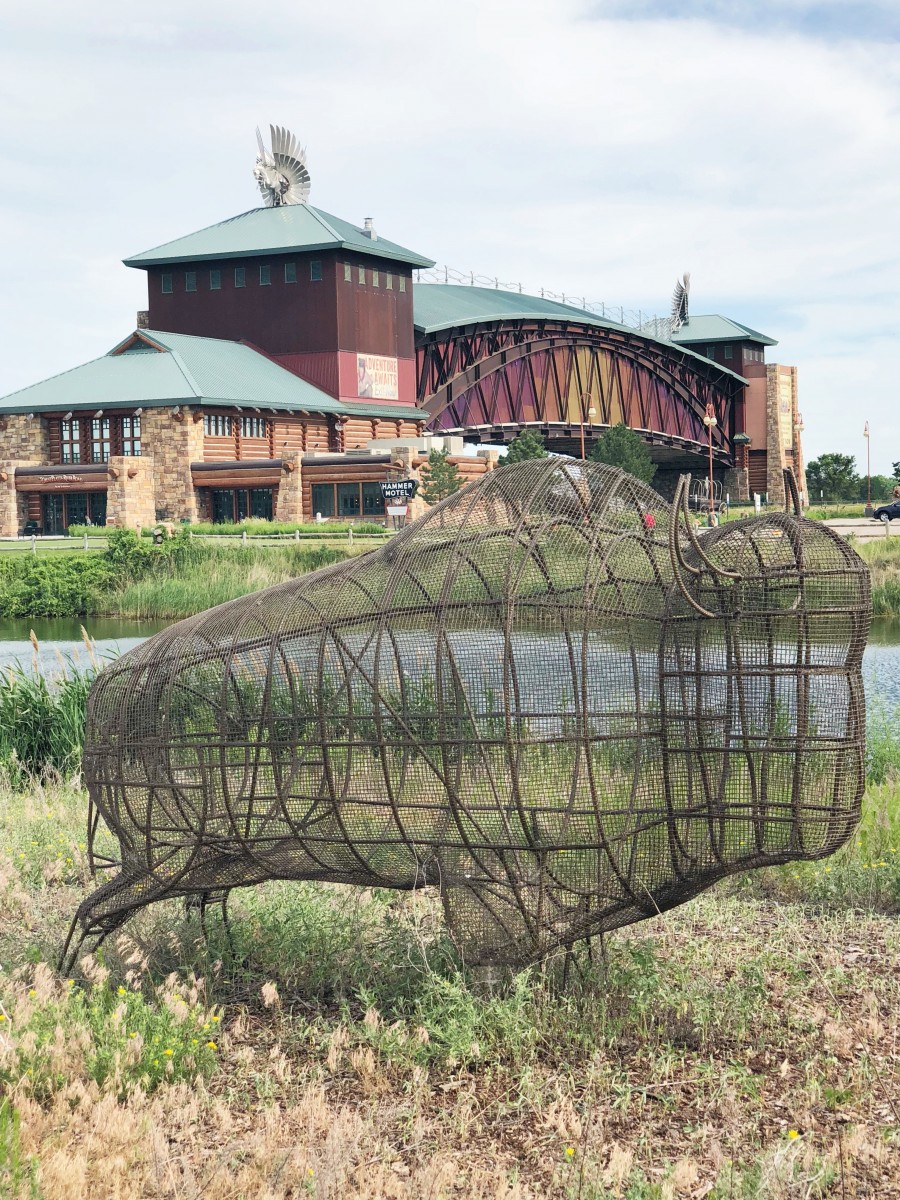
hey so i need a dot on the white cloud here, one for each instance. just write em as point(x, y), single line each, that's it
point(559, 145)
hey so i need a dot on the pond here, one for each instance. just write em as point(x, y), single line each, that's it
point(61, 640)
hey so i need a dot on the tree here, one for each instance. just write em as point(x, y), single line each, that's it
point(896, 472)
point(832, 477)
point(440, 477)
point(621, 447)
point(529, 444)
point(882, 486)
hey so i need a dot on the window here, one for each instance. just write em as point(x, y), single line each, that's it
point(166, 280)
point(290, 272)
point(215, 281)
point(372, 500)
point(190, 281)
point(70, 437)
point(374, 279)
point(323, 499)
point(727, 351)
point(710, 352)
point(131, 436)
point(265, 275)
point(348, 273)
point(402, 283)
point(240, 277)
point(254, 427)
point(389, 281)
point(216, 425)
point(315, 270)
point(361, 274)
point(100, 440)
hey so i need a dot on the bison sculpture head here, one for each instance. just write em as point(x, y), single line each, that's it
point(547, 697)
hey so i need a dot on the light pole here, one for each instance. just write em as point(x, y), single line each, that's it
point(709, 421)
point(591, 413)
point(869, 508)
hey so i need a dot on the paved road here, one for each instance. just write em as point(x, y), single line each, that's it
point(862, 528)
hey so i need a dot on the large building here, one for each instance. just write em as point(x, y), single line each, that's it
point(768, 419)
point(286, 365)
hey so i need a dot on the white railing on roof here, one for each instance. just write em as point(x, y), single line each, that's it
point(634, 318)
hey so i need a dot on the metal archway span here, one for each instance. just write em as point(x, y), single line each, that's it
point(512, 376)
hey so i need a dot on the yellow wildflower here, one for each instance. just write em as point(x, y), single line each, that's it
point(211, 1046)
point(792, 1133)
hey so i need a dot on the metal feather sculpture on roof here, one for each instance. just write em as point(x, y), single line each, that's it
point(281, 172)
point(680, 298)
point(547, 698)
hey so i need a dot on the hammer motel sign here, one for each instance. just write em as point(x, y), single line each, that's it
point(399, 491)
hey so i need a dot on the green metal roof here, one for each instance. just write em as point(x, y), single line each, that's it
point(445, 305)
point(712, 327)
point(291, 227)
point(438, 306)
point(153, 369)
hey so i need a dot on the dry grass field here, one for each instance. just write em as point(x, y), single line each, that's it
point(743, 1046)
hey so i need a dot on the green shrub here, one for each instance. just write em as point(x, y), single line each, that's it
point(113, 1035)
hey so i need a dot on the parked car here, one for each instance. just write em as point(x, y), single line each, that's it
point(887, 512)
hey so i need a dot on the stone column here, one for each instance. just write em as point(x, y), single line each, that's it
point(775, 448)
point(289, 501)
point(12, 503)
point(737, 485)
point(130, 497)
point(23, 438)
point(173, 441)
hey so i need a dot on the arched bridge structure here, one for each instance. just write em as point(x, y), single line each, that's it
point(492, 363)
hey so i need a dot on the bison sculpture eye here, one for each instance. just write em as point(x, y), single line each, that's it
point(565, 715)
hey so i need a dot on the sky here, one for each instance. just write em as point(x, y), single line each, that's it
point(597, 148)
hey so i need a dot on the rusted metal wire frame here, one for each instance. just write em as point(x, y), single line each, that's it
point(548, 697)
point(454, 366)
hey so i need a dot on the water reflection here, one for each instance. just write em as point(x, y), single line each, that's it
point(60, 640)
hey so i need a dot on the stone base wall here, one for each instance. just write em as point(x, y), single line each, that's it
point(289, 501)
point(130, 497)
point(177, 441)
point(12, 503)
point(26, 442)
point(737, 485)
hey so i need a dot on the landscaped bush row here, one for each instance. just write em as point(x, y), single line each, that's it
point(251, 528)
point(135, 577)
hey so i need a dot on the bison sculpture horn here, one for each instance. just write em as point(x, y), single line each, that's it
point(547, 697)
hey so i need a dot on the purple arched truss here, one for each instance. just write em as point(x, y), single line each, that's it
point(488, 381)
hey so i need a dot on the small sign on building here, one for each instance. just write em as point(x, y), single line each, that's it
point(400, 491)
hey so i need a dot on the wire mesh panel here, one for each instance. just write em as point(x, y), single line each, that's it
point(546, 697)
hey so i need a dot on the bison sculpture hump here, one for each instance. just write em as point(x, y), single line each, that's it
point(546, 697)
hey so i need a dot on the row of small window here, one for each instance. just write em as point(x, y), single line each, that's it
point(77, 447)
point(374, 278)
point(240, 277)
point(218, 425)
point(727, 352)
point(290, 276)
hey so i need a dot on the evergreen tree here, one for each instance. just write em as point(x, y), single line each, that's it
point(529, 444)
point(621, 447)
point(440, 477)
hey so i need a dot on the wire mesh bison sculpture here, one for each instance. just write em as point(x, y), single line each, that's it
point(547, 697)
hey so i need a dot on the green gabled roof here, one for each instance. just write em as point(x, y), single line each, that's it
point(283, 230)
point(151, 369)
point(711, 327)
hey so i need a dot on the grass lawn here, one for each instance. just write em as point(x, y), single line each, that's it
point(743, 1046)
